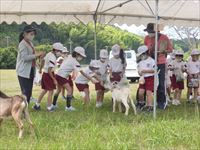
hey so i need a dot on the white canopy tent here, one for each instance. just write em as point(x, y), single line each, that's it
point(171, 12)
point(166, 12)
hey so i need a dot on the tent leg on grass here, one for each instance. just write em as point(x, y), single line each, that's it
point(156, 50)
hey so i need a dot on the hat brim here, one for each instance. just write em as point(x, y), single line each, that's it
point(114, 53)
point(83, 55)
point(149, 31)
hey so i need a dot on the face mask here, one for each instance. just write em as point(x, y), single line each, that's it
point(102, 59)
point(116, 56)
point(58, 54)
point(151, 34)
point(95, 71)
point(64, 55)
point(30, 37)
point(79, 58)
point(179, 59)
point(143, 57)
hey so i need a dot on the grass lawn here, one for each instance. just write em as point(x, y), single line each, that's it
point(178, 127)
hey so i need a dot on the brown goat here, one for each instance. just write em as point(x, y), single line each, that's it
point(15, 106)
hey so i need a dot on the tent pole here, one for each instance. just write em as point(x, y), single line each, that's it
point(156, 50)
point(95, 37)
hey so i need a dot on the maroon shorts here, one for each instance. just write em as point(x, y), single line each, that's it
point(99, 87)
point(47, 82)
point(177, 85)
point(116, 77)
point(81, 87)
point(61, 81)
point(148, 85)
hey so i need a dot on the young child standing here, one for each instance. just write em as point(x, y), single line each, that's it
point(117, 64)
point(169, 76)
point(60, 60)
point(193, 71)
point(102, 73)
point(71, 64)
point(89, 74)
point(178, 66)
point(49, 81)
point(146, 70)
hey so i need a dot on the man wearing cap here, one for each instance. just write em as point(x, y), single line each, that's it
point(26, 60)
point(164, 47)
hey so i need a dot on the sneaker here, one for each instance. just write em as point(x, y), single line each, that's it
point(99, 104)
point(178, 102)
point(71, 108)
point(54, 106)
point(140, 106)
point(190, 97)
point(36, 107)
point(174, 102)
point(50, 109)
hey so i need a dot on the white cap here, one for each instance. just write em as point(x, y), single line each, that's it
point(195, 52)
point(58, 46)
point(103, 53)
point(65, 50)
point(94, 63)
point(116, 49)
point(80, 50)
point(179, 52)
point(142, 49)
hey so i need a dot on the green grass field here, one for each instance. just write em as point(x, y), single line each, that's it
point(178, 127)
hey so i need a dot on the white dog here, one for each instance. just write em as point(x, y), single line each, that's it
point(120, 94)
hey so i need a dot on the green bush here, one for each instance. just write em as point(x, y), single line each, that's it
point(8, 58)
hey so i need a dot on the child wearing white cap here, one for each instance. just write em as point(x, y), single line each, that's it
point(169, 75)
point(60, 60)
point(89, 74)
point(146, 70)
point(117, 64)
point(63, 76)
point(193, 71)
point(49, 81)
point(178, 67)
point(102, 73)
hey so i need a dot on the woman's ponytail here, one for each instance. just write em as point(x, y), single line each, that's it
point(122, 56)
point(21, 37)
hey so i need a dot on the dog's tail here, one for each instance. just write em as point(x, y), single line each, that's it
point(3, 95)
point(132, 104)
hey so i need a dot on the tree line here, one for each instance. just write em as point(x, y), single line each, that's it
point(71, 35)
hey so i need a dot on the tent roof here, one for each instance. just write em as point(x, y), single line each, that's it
point(171, 12)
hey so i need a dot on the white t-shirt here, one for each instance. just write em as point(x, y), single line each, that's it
point(83, 80)
point(147, 64)
point(50, 62)
point(102, 72)
point(178, 66)
point(115, 65)
point(70, 64)
point(193, 67)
